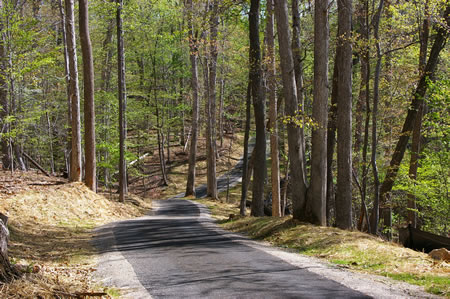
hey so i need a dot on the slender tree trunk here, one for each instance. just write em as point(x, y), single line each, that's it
point(416, 135)
point(89, 105)
point(273, 129)
point(245, 166)
point(75, 164)
point(4, 105)
point(258, 96)
point(376, 90)
point(298, 66)
point(417, 100)
point(296, 154)
point(331, 141)
point(123, 186)
point(211, 127)
point(67, 77)
point(318, 187)
point(193, 55)
point(361, 107)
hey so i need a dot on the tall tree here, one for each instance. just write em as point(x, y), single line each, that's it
point(245, 165)
point(273, 129)
point(4, 105)
point(417, 100)
point(193, 56)
point(296, 153)
point(416, 135)
point(89, 105)
point(318, 187)
point(258, 96)
point(123, 186)
point(75, 156)
point(376, 97)
point(344, 117)
point(211, 103)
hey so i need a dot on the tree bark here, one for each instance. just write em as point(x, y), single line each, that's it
point(376, 90)
point(344, 117)
point(89, 105)
point(193, 56)
point(296, 154)
point(318, 187)
point(331, 142)
point(211, 113)
point(273, 129)
point(75, 164)
point(245, 164)
point(417, 100)
point(4, 105)
point(258, 96)
point(123, 189)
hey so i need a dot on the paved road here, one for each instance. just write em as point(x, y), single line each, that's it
point(178, 252)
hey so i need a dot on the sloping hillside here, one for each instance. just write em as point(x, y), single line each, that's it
point(50, 222)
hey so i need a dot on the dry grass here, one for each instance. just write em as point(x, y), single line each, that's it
point(349, 249)
point(50, 223)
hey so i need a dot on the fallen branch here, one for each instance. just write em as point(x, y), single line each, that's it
point(36, 164)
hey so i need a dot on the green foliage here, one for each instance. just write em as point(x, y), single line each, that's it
point(432, 186)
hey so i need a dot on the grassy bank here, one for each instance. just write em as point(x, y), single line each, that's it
point(50, 225)
point(352, 250)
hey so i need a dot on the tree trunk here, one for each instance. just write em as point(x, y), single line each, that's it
point(75, 164)
point(376, 90)
point(415, 142)
point(318, 187)
point(245, 166)
point(344, 117)
point(7, 271)
point(123, 189)
point(67, 77)
point(89, 105)
point(4, 105)
point(331, 141)
point(417, 100)
point(193, 55)
point(211, 113)
point(259, 110)
point(273, 128)
point(298, 66)
point(296, 154)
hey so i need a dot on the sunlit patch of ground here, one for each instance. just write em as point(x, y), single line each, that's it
point(50, 226)
point(348, 249)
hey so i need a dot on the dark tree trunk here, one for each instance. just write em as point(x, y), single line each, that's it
point(89, 105)
point(344, 117)
point(376, 91)
point(123, 186)
point(259, 108)
point(245, 166)
point(318, 186)
point(331, 141)
point(295, 143)
point(273, 128)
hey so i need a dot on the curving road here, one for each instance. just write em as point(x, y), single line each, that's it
point(178, 252)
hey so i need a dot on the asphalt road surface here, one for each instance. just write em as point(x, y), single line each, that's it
point(177, 252)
